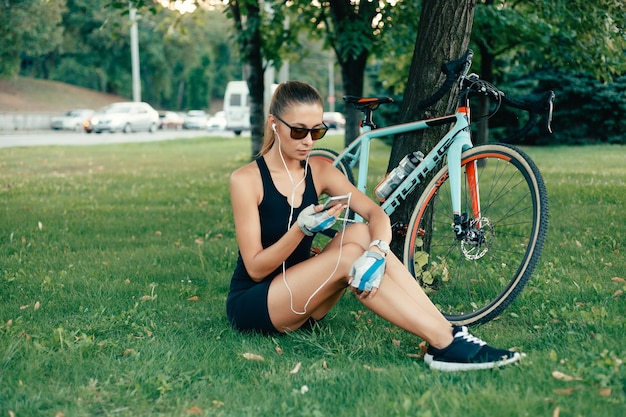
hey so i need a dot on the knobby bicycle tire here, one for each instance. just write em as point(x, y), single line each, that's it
point(473, 279)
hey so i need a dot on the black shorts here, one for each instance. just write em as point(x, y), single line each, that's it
point(247, 311)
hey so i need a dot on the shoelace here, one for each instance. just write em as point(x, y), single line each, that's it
point(464, 334)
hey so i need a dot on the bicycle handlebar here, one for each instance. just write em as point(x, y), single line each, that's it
point(543, 105)
point(453, 71)
point(457, 70)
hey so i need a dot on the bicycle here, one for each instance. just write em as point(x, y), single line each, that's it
point(477, 232)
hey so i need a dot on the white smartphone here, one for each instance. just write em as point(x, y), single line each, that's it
point(333, 201)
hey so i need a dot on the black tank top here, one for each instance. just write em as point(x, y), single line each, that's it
point(274, 214)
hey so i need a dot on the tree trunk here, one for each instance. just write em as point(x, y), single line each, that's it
point(352, 58)
point(443, 34)
point(255, 78)
point(250, 44)
point(352, 73)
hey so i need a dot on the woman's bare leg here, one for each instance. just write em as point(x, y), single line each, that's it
point(399, 300)
point(290, 305)
point(404, 303)
point(398, 273)
point(395, 305)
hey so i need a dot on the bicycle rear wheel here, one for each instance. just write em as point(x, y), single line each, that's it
point(474, 278)
point(330, 156)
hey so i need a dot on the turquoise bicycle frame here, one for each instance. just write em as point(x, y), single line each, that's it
point(452, 145)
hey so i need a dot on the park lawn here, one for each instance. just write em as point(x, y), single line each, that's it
point(114, 269)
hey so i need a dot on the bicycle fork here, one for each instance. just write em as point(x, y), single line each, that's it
point(462, 225)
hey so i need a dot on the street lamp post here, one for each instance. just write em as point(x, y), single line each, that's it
point(134, 54)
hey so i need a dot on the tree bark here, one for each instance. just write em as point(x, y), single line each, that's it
point(352, 74)
point(256, 82)
point(352, 58)
point(250, 45)
point(443, 34)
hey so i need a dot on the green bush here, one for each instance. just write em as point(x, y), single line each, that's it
point(586, 111)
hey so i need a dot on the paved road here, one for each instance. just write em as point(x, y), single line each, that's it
point(53, 137)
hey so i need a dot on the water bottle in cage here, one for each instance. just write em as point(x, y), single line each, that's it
point(397, 175)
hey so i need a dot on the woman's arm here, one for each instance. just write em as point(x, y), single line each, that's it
point(331, 181)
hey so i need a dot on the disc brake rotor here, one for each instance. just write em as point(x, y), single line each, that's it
point(478, 240)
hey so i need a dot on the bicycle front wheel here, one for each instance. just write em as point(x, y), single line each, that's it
point(472, 278)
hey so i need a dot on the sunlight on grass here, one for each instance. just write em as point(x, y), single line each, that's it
point(115, 263)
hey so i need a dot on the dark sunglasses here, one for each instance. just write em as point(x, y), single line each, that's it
point(301, 132)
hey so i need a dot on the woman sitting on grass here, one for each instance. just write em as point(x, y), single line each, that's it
point(278, 287)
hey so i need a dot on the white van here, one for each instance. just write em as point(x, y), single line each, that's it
point(237, 106)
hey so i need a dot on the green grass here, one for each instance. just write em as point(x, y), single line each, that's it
point(115, 263)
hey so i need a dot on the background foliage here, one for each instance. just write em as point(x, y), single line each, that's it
point(589, 111)
point(187, 59)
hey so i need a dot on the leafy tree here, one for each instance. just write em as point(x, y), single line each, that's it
point(260, 34)
point(513, 39)
point(585, 36)
point(185, 59)
point(193, 61)
point(351, 29)
point(30, 30)
point(95, 52)
point(247, 17)
point(397, 45)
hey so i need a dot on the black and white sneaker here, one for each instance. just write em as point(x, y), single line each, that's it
point(467, 353)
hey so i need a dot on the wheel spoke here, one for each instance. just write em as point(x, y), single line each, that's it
point(473, 279)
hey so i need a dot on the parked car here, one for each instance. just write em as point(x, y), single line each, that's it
point(334, 120)
point(196, 119)
point(170, 120)
point(72, 120)
point(124, 117)
point(217, 121)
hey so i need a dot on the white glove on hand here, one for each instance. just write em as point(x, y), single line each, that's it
point(311, 222)
point(368, 271)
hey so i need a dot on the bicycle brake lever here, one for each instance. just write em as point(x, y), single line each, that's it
point(549, 101)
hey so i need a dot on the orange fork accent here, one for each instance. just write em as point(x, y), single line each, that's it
point(472, 183)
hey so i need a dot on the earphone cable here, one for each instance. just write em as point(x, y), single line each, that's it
point(289, 225)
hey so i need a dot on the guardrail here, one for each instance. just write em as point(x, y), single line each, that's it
point(25, 121)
